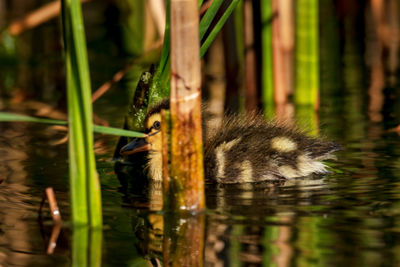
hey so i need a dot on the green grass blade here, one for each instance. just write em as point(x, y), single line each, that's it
point(116, 131)
point(208, 17)
point(79, 205)
point(85, 186)
point(11, 117)
point(218, 27)
point(5, 116)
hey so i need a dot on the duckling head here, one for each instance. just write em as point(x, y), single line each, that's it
point(152, 143)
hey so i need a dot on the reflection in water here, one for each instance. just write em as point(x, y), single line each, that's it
point(18, 206)
point(242, 225)
point(350, 215)
point(301, 221)
point(86, 246)
point(183, 239)
point(13, 230)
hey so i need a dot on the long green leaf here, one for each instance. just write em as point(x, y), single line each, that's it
point(116, 131)
point(218, 27)
point(85, 186)
point(208, 17)
point(5, 116)
point(11, 117)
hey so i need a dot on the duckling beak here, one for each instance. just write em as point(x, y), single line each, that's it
point(135, 146)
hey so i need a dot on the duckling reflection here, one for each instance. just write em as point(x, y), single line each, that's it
point(242, 149)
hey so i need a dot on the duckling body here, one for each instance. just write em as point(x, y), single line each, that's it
point(245, 149)
point(252, 150)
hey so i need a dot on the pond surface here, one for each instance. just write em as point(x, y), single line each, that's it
point(350, 216)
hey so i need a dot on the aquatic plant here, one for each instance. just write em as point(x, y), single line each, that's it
point(267, 74)
point(307, 53)
point(85, 191)
point(160, 85)
point(186, 172)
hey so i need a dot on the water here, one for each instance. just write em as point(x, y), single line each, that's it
point(350, 216)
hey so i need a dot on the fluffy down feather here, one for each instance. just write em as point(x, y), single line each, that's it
point(249, 149)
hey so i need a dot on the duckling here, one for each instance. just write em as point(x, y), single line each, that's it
point(243, 149)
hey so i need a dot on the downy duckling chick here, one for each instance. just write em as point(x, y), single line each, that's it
point(242, 149)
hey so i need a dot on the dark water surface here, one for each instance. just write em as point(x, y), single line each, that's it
point(348, 216)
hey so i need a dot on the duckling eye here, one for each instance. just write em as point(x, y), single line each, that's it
point(157, 125)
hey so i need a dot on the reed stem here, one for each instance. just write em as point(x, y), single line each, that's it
point(267, 74)
point(250, 73)
point(186, 172)
point(307, 53)
point(85, 186)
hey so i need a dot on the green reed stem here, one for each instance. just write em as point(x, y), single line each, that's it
point(267, 74)
point(85, 186)
point(307, 53)
point(210, 38)
point(208, 17)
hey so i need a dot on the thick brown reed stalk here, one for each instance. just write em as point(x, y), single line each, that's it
point(186, 169)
